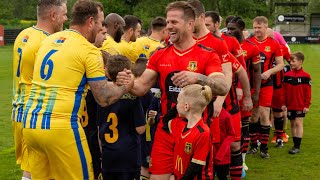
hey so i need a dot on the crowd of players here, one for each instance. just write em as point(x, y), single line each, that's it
point(101, 100)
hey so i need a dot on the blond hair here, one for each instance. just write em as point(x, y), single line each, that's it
point(198, 95)
point(261, 20)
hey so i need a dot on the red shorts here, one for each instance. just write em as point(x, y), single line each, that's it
point(265, 96)
point(161, 161)
point(236, 124)
point(277, 99)
point(215, 130)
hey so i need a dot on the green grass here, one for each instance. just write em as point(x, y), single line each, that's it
point(280, 166)
point(8, 167)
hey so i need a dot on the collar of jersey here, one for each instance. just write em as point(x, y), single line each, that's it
point(73, 31)
point(44, 32)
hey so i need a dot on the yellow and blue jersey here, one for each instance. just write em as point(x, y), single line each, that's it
point(110, 45)
point(25, 49)
point(127, 49)
point(65, 62)
point(146, 45)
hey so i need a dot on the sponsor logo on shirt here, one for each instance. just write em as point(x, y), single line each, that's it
point(60, 40)
point(25, 39)
point(244, 53)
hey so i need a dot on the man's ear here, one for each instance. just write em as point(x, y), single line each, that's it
point(90, 22)
point(191, 25)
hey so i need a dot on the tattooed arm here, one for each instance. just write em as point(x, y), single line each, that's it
point(106, 93)
point(216, 81)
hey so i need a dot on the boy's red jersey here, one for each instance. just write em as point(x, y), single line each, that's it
point(297, 88)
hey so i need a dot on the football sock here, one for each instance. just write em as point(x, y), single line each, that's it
point(297, 143)
point(278, 123)
point(236, 165)
point(245, 136)
point(265, 133)
point(253, 134)
point(222, 171)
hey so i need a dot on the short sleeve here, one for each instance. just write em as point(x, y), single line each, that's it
point(235, 64)
point(213, 64)
point(255, 55)
point(94, 65)
point(223, 52)
point(202, 148)
point(278, 51)
point(153, 61)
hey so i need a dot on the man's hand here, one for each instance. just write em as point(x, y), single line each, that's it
point(184, 78)
point(125, 78)
point(305, 110)
point(239, 93)
point(255, 99)
point(151, 117)
point(284, 108)
point(266, 75)
point(247, 103)
point(217, 107)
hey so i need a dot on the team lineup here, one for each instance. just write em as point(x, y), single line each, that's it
point(188, 100)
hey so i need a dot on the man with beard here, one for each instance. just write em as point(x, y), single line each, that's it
point(50, 18)
point(55, 139)
point(114, 24)
point(183, 63)
point(251, 55)
point(132, 31)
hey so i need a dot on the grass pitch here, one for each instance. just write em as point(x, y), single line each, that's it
point(280, 166)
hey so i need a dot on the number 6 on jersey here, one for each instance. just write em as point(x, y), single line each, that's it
point(47, 63)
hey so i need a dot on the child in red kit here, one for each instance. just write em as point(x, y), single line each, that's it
point(297, 98)
point(193, 147)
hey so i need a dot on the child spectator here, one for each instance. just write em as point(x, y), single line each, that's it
point(297, 98)
point(120, 126)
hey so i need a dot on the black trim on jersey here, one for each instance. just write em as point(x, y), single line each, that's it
point(248, 41)
point(287, 68)
point(205, 47)
point(171, 114)
point(192, 171)
point(200, 129)
point(185, 129)
point(217, 36)
point(296, 80)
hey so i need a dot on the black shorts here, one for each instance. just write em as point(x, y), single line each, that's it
point(292, 114)
point(276, 110)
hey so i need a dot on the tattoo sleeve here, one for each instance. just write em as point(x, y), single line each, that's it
point(216, 83)
point(106, 93)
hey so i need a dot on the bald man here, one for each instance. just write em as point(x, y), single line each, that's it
point(115, 24)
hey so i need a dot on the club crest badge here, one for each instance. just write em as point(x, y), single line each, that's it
point(193, 66)
point(188, 148)
point(267, 49)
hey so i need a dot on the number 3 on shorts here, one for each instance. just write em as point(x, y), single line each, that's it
point(47, 63)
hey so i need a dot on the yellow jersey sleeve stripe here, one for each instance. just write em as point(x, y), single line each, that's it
point(97, 78)
point(77, 103)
